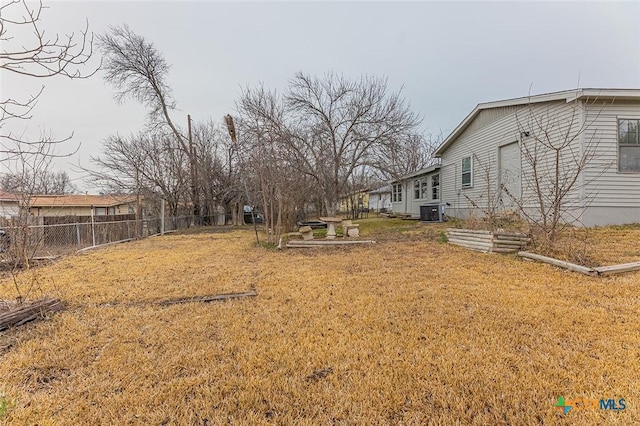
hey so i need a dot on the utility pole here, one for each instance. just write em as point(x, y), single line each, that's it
point(232, 134)
point(194, 175)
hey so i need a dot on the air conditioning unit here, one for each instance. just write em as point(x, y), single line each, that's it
point(432, 213)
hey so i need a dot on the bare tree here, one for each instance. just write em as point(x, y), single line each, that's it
point(272, 169)
point(328, 128)
point(219, 176)
point(555, 150)
point(260, 129)
point(47, 183)
point(490, 202)
point(27, 166)
point(143, 164)
point(27, 51)
point(35, 55)
point(137, 70)
point(339, 124)
point(409, 153)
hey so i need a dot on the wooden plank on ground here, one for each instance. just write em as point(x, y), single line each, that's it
point(519, 240)
point(509, 243)
point(321, 243)
point(453, 240)
point(510, 234)
point(205, 299)
point(505, 249)
point(471, 245)
point(27, 312)
point(479, 238)
point(559, 263)
point(618, 269)
point(464, 234)
point(468, 231)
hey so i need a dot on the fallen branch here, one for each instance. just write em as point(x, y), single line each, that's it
point(28, 312)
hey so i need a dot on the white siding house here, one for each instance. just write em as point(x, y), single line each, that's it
point(380, 199)
point(486, 161)
point(9, 206)
point(414, 190)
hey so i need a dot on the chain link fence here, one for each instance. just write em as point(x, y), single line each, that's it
point(46, 240)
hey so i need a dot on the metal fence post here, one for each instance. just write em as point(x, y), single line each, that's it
point(93, 228)
point(162, 218)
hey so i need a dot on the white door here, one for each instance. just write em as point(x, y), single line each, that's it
point(509, 173)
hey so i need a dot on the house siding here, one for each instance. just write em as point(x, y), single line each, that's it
point(482, 143)
point(490, 116)
point(611, 196)
point(9, 209)
point(380, 200)
point(75, 210)
point(411, 205)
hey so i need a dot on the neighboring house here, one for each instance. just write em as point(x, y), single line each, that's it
point(380, 199)
point(81, 205)
point(487, 154)
point(410, 192)
point(355, 201)
point(9, 206)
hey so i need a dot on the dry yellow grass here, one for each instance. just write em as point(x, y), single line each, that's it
point(410, 332)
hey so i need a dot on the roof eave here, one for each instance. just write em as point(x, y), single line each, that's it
point(568, 95)
point(417, 173)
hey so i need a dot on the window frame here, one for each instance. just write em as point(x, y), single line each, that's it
point(396, 193)
point(424, 188)
point(470, 172)
point(620, 145)
point(435, 189)
point(416, 189)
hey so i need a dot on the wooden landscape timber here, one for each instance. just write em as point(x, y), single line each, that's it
point(603, 270)
point(618, 269)
point(206, 299)
point(561, 263)
point(180, 300)
point(26, 312)
point(488, 241)
point(325, 243)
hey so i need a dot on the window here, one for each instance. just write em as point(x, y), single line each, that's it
point(416, 189)
point(467, 168)
point(100, 211)
point(629, 145)
point(396, 193)
point(424, 188)
point(435, 187)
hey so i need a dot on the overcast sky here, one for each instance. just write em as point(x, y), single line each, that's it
point(446, 57)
